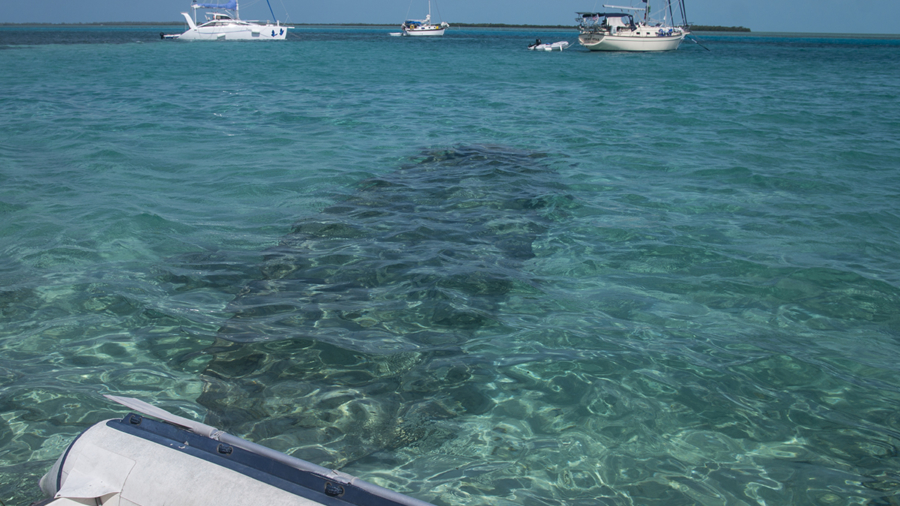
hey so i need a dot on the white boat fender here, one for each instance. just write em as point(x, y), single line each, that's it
point(138, 461)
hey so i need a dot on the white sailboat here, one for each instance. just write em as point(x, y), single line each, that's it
point(620, 31)
point(224, 23)
point(422, 27)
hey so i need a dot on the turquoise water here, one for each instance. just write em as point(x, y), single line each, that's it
point(459, 269)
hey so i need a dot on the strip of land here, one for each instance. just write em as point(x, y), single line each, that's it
point(712, 28)
point(696, 28)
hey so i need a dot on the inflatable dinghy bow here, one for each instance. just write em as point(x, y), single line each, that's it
point(138, 461)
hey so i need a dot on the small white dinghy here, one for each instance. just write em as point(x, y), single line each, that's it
point(137, 461)
point(540, 46)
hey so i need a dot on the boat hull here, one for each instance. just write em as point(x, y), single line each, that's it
point(245, 32)
point(424, 32)
point(609, 42)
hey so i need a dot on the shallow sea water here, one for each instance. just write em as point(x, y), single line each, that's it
point(459, 269)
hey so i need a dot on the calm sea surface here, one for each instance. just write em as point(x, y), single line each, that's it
point(459, 269)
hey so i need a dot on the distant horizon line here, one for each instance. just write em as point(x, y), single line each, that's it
point(697, 27)
point(477, 25)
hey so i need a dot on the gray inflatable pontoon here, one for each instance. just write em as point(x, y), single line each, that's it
point(138, 461)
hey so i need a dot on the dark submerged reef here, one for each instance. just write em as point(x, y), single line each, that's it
point(354, 338)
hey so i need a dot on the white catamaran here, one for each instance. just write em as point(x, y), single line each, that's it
point(224, 23)
point(620, 31)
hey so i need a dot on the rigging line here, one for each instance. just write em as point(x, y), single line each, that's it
point(407, 11)
point(693, 39)
point(251, 4)
point(271, 11)
point(438, 9)
point(287, 15)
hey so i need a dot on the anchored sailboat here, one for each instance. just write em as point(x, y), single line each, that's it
point(422, 27)
point(629, 31)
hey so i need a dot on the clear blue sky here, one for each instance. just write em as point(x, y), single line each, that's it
point(825, 16)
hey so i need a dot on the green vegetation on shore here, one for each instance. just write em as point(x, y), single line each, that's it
point(181, 22)
point(504, 25)
point(711, 28)
point(103, 23)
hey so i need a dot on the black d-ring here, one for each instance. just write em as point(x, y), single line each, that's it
point(333, 489)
